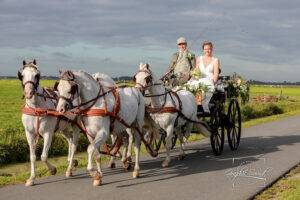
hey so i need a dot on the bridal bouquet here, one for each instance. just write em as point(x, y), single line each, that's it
point(195, 86)
point(195, 74)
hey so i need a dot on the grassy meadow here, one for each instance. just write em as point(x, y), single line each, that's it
point(11, 102)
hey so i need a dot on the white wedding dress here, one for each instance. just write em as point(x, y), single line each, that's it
point(207, 73)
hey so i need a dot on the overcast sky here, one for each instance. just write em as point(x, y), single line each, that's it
point(259, 39)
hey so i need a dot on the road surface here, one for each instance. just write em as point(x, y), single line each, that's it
point(265, 153)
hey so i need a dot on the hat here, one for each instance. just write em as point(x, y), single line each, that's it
point(181, 40)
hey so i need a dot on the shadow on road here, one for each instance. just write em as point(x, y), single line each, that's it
point(199, 159)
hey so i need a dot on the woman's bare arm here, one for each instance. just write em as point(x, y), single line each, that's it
point(216, 70)
point(197, 63)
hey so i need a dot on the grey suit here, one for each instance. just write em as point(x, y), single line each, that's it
point(180, 66)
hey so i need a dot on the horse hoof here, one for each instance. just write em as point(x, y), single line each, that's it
point(69, 174)
point(112, 165)
point(135, 174)
point(97, 182)
point(181, 157)
point(126, 166)
point(29, 182)
point(53, 171)
point(97, 179)
point(165, 164)
point(75, 163)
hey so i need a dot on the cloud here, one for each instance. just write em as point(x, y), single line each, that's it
point(61, 55)
point(261, 32)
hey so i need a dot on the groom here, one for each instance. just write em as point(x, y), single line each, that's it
point(182, 62)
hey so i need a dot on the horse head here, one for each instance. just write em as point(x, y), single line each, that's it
point(143, 78)
point(67, 88)
point(29, 75)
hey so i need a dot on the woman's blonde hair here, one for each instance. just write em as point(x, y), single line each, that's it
point(207, 43)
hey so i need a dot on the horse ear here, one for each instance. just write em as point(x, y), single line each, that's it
point(141, 65)
point(147, 66)
point(24, 63)
point(20, 76)
point(55, 86)
point(34, 62)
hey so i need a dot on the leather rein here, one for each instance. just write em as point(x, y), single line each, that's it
point(163, 108)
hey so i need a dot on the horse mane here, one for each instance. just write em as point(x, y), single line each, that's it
point(85, 75)
point(104, 78)
point(67, 76)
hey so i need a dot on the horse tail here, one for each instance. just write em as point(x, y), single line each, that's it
point(201, 127)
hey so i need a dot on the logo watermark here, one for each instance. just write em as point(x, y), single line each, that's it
point(249, 172)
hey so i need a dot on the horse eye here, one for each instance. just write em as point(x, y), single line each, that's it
point(148, 79)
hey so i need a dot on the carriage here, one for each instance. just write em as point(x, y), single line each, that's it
point(224, 116)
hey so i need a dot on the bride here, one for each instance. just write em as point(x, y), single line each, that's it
point(209, 67)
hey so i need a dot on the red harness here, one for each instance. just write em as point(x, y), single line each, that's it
point(42, 112)
point(166, 109)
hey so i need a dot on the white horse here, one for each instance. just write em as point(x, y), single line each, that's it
point(95, 97)
point(161, 99)
point(108, 82)
point(38, 100)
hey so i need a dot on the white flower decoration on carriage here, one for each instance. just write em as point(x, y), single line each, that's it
point(196, 86)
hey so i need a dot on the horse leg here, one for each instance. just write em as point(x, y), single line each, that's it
point(169, 131)
point(31, 142)
point(137, 146)
point(129, 148)
point(90, 151)
point(126, 150)
point(100, 139)
point(47, 143)
point(73, 141)
point(180, 137)
point(112, 163)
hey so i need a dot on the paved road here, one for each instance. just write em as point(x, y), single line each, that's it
point(266, 152)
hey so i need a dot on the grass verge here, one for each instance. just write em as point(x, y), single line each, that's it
point(286, 188)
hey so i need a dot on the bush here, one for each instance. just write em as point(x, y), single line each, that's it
point(251, 112)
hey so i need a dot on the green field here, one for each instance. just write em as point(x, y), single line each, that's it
point(11, 102)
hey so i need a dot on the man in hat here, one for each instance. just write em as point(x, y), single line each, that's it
point(182, 62)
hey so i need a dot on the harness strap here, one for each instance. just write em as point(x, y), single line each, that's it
point(166, 109)
point(37, 133)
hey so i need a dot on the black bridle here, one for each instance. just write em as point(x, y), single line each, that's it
point(75, 90)
point(36, 82)
point(68, 76)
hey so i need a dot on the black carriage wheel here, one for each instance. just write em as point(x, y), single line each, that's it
point(234, 124)
point(217, 135)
